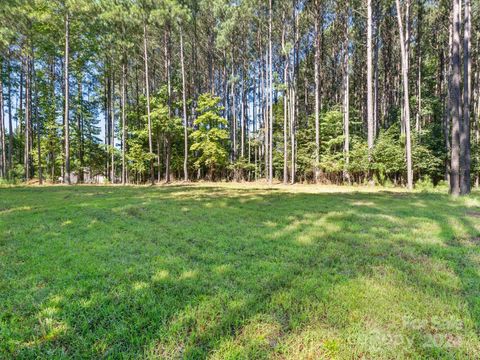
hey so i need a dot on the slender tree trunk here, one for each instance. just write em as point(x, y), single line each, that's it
point(455, 101)
point(270, 93)
point(112, 126)
point(184, 103)
point(285, 110)
point(107, 123)
point(234, 112)
point(80, 130)
point(124, 122)
point(317, 90)
point(3, 158)
point(293, 96)
point(465, 182)
point(448, 101)
point(376, 48)
point(266, 110)
point(159, 165)
point(66, 175)
point(292, 134)
point(28, 105)
point(39, 151)
point(418, 124)
point(10, 122)
point(147, 91)
point(370, 124)
point(169, 88)
point(21, 114)
point(477, 131)
point(242, 117)
point(346, 97)
point(38, 124)
point(406, 100)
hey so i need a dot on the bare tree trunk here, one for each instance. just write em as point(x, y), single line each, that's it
point(38, 123)
point(376, 48)
point(147, 91)
point(418, 124)
point(244, 118)
point(270, 86)
point(406, 101)
point(266, 107)
point(124, 122)
point(80, 130)
point(317, 90)
point(292, 134)
point(293, 93)
point(370, 124)
point(455, 101)
point(159, 165)
point(184, 103)
point(3, 158)
point(234, 111)
point(285, 110)
point(448, 101)
point(169, 88)
point(10, 122)
point(465, 185)
point(66, 175)
point(346, 98)
point(242, 115)
point(27, 119)
point(112, 115)
point(477, 128)
point(21, 114)
point(107, 122)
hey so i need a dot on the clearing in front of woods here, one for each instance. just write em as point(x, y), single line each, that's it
point(237, 272)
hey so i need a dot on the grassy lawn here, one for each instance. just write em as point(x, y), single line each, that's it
point(237, 273)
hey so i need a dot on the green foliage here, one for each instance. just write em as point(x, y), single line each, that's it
point(138, 155)
point(332, 139)
point(210, 135)
point(358, 161)
point(389, 154)
point(161, 117)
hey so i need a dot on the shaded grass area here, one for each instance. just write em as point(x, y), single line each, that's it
point(224, 273)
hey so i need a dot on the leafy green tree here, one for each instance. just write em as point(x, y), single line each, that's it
point(210, 137)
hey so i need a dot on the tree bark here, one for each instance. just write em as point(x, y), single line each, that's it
point(406, 100)
point(124, 121)
point(27, 119)
point(184, 103)
point(317, 89)
point(346, 96)
point(10, 122)
point(80, 130)
point(370, 124)
point(455, 101)
point(112, 126)
point(465, 182)
point(418, 119)
point(3, 158)
point(285, 109)
point(169, 89)
point(270, 94)
point(477, 130)
point(147, 91)
point(66, 175)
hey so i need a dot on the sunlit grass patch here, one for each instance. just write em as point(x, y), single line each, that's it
point(238, 272)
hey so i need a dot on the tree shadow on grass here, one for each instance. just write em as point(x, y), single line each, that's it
point(211, 272)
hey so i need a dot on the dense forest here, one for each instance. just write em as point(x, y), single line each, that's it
point(140, 91)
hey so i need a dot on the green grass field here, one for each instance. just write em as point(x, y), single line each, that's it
point(238, 273)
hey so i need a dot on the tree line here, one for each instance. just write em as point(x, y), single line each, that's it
point(139, 91)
